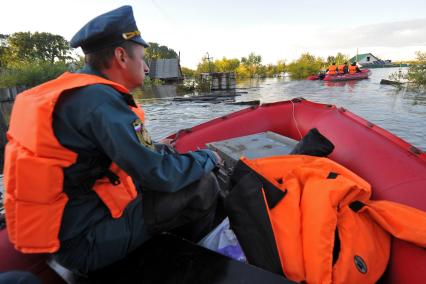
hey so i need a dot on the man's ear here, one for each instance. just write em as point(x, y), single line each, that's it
point(120, 56)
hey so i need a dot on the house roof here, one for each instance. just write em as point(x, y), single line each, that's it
point(361, 57)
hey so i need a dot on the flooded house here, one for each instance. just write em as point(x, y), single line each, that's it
point(368, 60)
point(167, 70)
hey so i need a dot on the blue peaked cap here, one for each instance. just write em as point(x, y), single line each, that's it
point(108, 30)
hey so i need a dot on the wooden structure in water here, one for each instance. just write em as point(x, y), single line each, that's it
point(220, 80)
point(167, 70)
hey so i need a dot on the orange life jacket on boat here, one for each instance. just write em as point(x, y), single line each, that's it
point(352, 69)
point(332, 70)
point(341, 68)
point(34, 163)
point(315, 222)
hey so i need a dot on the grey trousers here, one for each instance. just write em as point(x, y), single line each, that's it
point(189, 212)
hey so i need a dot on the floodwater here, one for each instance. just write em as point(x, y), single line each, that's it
point(398, 111)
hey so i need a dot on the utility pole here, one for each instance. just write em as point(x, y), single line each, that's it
point(209, 77)
point(209, 58)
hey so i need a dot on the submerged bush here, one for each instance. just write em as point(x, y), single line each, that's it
point(305, 66)
point(195, 85)
point(152, 82)
point(30, 74)
point(416, 74)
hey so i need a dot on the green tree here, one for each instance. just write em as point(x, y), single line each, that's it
point(252, 63)
point(248, 67)
point(270, 70)
point(281, 67)
point(28, 59)
point(30, 74)
point(3, 50)
point(261, 71)
point(206, 66)
point(306, 65)
point(416, 74)
point(243, 72)
point(340, 58)
point(188, 73)
point(77, 63)
point(330, 60)
point(227, 65)
point(30, 47)
point(156, 51)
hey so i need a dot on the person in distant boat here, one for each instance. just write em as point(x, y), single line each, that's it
point(332, 69)
point(343, 68)
point(84, 180)
point(354, 68)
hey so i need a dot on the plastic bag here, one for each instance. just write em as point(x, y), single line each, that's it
point(223, 240)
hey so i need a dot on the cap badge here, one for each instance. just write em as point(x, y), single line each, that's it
point(130, 35)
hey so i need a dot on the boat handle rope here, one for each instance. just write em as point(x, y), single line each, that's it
point(294, 118)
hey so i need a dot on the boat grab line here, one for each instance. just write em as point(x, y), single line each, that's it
point(295, 121)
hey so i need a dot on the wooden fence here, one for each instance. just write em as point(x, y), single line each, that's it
point(7, 97)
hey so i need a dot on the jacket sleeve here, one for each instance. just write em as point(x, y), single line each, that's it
point(111, 126)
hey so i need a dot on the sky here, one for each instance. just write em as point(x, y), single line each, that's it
point(274, 29)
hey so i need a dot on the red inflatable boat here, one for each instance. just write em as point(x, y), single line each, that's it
point(395, 169)
point(343, 77)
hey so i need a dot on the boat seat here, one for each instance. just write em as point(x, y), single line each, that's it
point(67, 275)
point(168, 258)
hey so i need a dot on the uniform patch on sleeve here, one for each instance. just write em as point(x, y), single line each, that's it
point(142, 134)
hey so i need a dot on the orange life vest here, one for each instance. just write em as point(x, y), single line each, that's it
point(34, 163)
point(341, 68)
point(352, 69)
point(315, 222)
point(332, 70)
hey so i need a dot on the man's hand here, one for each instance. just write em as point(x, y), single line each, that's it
point(167, 141)
point(219, 160)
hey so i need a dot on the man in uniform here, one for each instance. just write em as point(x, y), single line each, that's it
point(84, 181)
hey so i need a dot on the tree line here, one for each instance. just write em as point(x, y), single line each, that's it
point(246, 67)
point(252, 67)
point(28, 59)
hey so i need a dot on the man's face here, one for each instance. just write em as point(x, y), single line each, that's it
point(136, 67)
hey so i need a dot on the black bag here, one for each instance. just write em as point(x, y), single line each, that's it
point(313, 144)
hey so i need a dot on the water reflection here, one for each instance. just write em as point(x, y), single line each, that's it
point(156, 92)
point(415, 98)
point(250, 83)
point(400, 111)
point(349, 84)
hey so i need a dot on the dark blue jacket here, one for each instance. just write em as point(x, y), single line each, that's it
point(97, 123)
